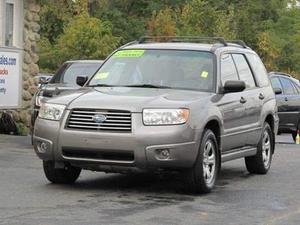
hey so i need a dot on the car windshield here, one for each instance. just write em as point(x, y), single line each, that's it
point(177, 69)
point(68, 72)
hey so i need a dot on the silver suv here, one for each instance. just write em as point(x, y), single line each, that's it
point(181, 104)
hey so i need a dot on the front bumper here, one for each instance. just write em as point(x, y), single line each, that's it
point(141, 148)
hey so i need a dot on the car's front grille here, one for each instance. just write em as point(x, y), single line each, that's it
point(94, 119)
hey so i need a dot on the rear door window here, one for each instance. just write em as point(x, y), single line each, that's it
point(288, 87)
point(244, 70)
point(228, 69)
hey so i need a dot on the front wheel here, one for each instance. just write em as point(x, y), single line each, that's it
point(294, 133)
point(203, 175)
point(261, 162)
point(66, 175)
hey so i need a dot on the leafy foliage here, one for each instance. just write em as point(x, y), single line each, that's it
point(73, 29)
point(86, 38)
point(199, 18)
point(82, 36)
point(162, 23)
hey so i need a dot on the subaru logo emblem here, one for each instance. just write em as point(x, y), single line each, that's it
point(99, 118)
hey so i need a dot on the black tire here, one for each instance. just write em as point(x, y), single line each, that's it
point(196, 179)
point(260, 163)
point(294, 134)
point(67, 175)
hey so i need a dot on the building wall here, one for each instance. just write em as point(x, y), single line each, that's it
point(30, 59)
point(27, 20)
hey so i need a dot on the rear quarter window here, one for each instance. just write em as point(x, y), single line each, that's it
point(259, 70)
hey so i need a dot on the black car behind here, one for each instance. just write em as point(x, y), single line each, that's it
point(288, 102)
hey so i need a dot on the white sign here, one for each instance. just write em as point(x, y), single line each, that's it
point(10, 78)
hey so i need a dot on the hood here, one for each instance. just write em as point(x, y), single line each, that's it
point(66, 97)
point(50, 90)
point(131, 99)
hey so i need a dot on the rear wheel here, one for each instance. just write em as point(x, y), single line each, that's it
point(203, 175)
point(66, 175)
point(294, 134)
point(261, 162)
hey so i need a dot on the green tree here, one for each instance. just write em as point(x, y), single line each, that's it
point(69, 29)
point(162, 23)
point(287, 32)
point(130, 18)
point(200, 18)
point(84, 38)
point(68, 32)
point(53, 17)
point(269, 51)
point(196, 18)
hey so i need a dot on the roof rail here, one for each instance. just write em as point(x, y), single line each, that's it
point(280, 73)
point(147, 39)
point(129, 43)
point(221, 40)
point(238, 42)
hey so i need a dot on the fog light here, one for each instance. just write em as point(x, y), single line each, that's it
point(164, 154)
point(42, 147)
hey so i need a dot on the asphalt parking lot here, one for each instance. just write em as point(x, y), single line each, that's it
point(98, 198)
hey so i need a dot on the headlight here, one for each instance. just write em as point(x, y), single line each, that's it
point(51, 111)
point(38, 100)
point(165, 116)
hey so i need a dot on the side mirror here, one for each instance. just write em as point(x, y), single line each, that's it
point(80, 80)
point(234, 86)
point(43, 81)
point(277, 91)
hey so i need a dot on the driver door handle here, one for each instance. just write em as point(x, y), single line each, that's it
point(243, 100)
point(261, 96)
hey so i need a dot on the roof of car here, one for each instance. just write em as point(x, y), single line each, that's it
point(85, 61)
point(284, 75)
point(185, 46)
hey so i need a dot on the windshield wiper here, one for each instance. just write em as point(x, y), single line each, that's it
point(102, 85)
point(147, 86)
point(133, 85)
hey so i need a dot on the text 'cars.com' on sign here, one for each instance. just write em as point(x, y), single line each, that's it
point(10, 78)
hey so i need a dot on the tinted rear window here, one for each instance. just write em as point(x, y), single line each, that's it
point(244, 71)
point(259, 70)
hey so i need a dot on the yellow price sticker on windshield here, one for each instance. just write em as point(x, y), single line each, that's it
point(204, 74)
point(129, 53)
point(101, 76)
